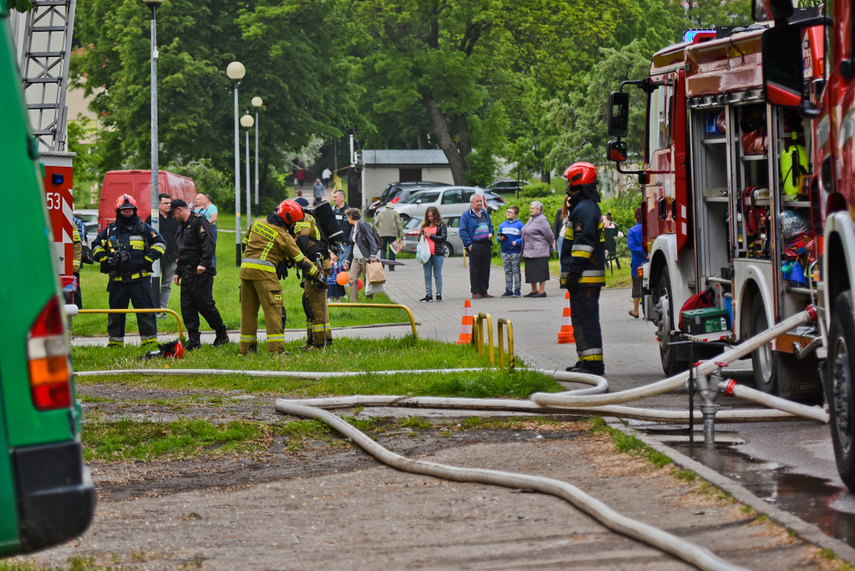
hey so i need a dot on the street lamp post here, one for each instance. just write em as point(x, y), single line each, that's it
point(155, 219)
point(247, 122)
point(236, 71)
point(257, 103)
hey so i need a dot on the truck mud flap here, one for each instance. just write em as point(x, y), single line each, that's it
point(56, 496)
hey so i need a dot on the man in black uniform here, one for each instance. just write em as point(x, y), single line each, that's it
point(583, 269)
point(195, 274)
point(169, 231)
point(126, 250)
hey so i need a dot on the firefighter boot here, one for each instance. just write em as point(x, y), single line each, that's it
point(193, 340)
point(222, 336)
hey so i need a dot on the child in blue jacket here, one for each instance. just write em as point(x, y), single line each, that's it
point(510, 237)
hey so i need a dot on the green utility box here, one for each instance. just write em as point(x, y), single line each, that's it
point(705, 320)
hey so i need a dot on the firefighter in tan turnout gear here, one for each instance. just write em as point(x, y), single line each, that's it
point(268, 248)
point(307, 235)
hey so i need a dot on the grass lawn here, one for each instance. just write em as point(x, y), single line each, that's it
point(226, 294)
point(370, 355)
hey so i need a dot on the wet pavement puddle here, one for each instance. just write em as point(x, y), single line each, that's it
point(821, 502)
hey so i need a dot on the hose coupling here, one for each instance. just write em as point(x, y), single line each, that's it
point(811, 311)
point(728, 387)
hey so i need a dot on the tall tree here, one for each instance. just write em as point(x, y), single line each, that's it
point(291, 62)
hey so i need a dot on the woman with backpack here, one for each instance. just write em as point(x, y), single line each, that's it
point(363, 252)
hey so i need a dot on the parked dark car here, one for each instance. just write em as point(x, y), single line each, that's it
point(392, 190)
point(508, 186)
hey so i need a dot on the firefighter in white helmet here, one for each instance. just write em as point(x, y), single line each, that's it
point(126, 250)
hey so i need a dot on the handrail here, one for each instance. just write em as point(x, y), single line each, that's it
point(152, 310)
point(382, 306)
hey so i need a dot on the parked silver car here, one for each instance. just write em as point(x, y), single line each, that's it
point(413, 229)
point(449, 200)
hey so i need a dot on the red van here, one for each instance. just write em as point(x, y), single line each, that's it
point(138, 185)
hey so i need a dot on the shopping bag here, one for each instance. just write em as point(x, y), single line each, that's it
point(374, 273)
point(423, 251)
point(374, 289)
point(397, 246)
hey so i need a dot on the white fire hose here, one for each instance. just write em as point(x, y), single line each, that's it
point(583, 401)
point(662, 540)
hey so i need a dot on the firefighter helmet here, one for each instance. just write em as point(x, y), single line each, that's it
point(126, 201)
point(581, 173)
point(290, 211)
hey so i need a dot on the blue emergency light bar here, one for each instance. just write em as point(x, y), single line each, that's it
point(692, 35)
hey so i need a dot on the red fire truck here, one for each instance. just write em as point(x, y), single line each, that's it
point(729, 209)
point(827, 100)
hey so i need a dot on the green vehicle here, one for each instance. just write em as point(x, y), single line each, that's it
point(46, 492)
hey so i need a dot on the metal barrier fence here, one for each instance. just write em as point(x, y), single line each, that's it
point(382, 306)
point(478, 339)
point(152, 310)
point(507, 323)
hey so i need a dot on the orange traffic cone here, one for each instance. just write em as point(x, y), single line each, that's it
point(566, 333)
point(466, 326)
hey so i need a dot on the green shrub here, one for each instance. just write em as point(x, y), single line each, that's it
point(537, 190)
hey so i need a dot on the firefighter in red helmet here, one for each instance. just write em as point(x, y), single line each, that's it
point(126, 250)
point(583, 270)
point(268, 248)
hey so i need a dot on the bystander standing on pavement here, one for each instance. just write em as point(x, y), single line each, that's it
point(537, 243)
point(559, 227)
point(318, 191)
point(435, 232)
point(339, 208)
point(476, 232)
point(583, 266)
point(195, 274)
point(169, 230)
point(635, 241)
point(209, 210)
point(390, 228)
point(299, 198)
point(326, 175)
point(509, 236)
point(363, 250)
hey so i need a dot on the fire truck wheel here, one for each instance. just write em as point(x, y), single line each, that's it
point(762, 360)
point(662, 296)
point(841, 364)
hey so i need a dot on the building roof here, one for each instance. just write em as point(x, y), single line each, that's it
point(403, 157)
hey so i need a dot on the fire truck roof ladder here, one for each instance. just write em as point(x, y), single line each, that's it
point(44, 68)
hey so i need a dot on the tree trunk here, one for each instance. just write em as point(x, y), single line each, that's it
point(440, 128)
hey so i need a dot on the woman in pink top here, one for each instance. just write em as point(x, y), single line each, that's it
point(436, 233)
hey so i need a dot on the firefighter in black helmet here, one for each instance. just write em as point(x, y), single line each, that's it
point(583, 269)
point(126, 250)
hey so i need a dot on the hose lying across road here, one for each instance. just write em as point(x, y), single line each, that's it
point(593, 400)
point(648, 534)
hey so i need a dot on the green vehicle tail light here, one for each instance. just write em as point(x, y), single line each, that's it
point(47, 357)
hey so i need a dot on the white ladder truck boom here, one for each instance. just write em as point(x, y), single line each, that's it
point(43, 39)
